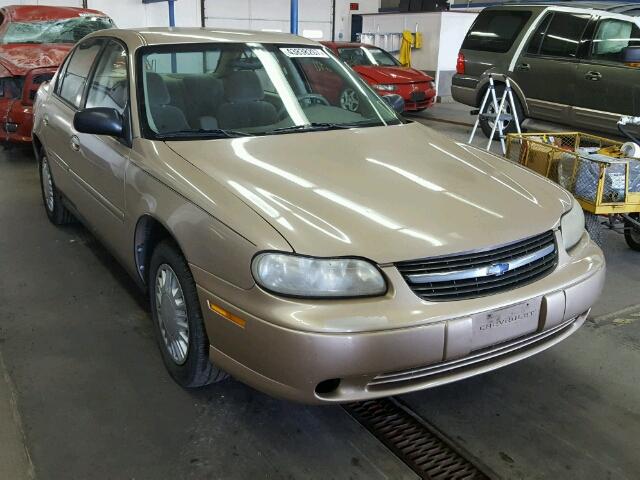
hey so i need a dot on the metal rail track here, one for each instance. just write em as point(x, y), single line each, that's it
point(417, 443)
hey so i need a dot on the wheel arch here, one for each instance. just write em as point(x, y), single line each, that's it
point(37, 145)
point(148, 233)
point(500, 80)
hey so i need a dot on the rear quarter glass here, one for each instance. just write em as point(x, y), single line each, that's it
point(496, 30)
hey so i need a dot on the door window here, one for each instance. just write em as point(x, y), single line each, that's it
point(612, 37)
point(561, 36)
point(110, 83)
point(72, 84)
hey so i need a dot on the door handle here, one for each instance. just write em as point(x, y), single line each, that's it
point(524, 67)
point(593, 76)
point(45, 120)
point(75, 143)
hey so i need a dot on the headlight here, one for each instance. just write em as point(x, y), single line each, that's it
point(385, 87)
point(299, 276)
point(432, 85)
point(572, 226)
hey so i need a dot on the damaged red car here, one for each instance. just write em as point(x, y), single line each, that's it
point(386, 75)
point(34, 41)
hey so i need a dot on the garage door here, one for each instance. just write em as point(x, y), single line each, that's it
point(315, 16)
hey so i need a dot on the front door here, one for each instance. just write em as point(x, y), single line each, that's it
point(546, 70)
point(103, 158)
point(606, 87)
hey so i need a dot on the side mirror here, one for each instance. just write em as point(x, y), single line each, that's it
point(631, 55)
point(395, 101)
point(99, 121)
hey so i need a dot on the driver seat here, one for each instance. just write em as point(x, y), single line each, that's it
point(244, 105)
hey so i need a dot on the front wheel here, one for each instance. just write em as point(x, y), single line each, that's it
point(508, 126)
point(177, 319)
point(632, 233)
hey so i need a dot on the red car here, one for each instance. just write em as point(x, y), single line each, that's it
point(34, 40)
point(384, 73)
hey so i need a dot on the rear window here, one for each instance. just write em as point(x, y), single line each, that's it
point(496, 30)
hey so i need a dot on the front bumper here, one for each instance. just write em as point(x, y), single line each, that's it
point(417, 96)
point(286, 359)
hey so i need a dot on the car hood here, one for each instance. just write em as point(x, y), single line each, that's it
point(385, 193)
point(393, 74)
point(19, 58)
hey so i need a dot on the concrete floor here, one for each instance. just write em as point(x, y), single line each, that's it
point(88, 396)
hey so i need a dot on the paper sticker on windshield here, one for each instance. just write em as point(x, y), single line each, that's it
point(300, 52)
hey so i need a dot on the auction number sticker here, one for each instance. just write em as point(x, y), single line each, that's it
point(300, 52)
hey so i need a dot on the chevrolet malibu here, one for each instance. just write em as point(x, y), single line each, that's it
point(284, 239)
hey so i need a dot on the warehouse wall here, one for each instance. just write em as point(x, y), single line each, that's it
point(443, 34)
point(257, 14)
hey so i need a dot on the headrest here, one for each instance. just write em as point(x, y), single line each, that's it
point(203, 88)
point(243, 86)
point(157, 91)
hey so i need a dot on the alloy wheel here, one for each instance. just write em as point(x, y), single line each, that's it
point(349, 100)
point(492, 111)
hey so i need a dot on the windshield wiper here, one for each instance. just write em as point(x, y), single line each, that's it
point(205, 133)
point(320, 126)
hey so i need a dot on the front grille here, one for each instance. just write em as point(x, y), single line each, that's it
point(471, 275)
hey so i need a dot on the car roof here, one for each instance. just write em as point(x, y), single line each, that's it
point(34, 13)
point(604, 6)
point(168, 35)
point(347, 44)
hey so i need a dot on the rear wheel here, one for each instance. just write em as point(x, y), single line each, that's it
point(350, 100)
point(632, 233)
point(593, 226)
point(508, 126)
point(177, 319)
point(51, 197)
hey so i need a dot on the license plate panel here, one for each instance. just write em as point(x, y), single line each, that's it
point(497, 326)
point(418, 96)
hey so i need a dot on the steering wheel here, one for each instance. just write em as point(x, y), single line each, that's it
point(310, 99)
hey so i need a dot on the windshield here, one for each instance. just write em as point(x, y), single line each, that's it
point(67, 30)
point(367, 56)
point(221, 89)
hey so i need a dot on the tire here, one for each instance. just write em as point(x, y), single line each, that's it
point(593, 226)
point(632, 234)
point(510, 127)
point(51, 197)
point(186, 360)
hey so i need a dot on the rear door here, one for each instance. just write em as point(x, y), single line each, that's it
point(606, 87)
point(546, 70)
point(61, 138)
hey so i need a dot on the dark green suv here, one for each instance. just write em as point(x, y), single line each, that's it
point(569, 65)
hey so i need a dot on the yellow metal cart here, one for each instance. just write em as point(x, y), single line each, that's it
point(593, 169)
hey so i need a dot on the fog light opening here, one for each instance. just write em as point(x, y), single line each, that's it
point(327, 386)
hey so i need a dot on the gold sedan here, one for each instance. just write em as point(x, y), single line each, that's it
point(314, 252)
